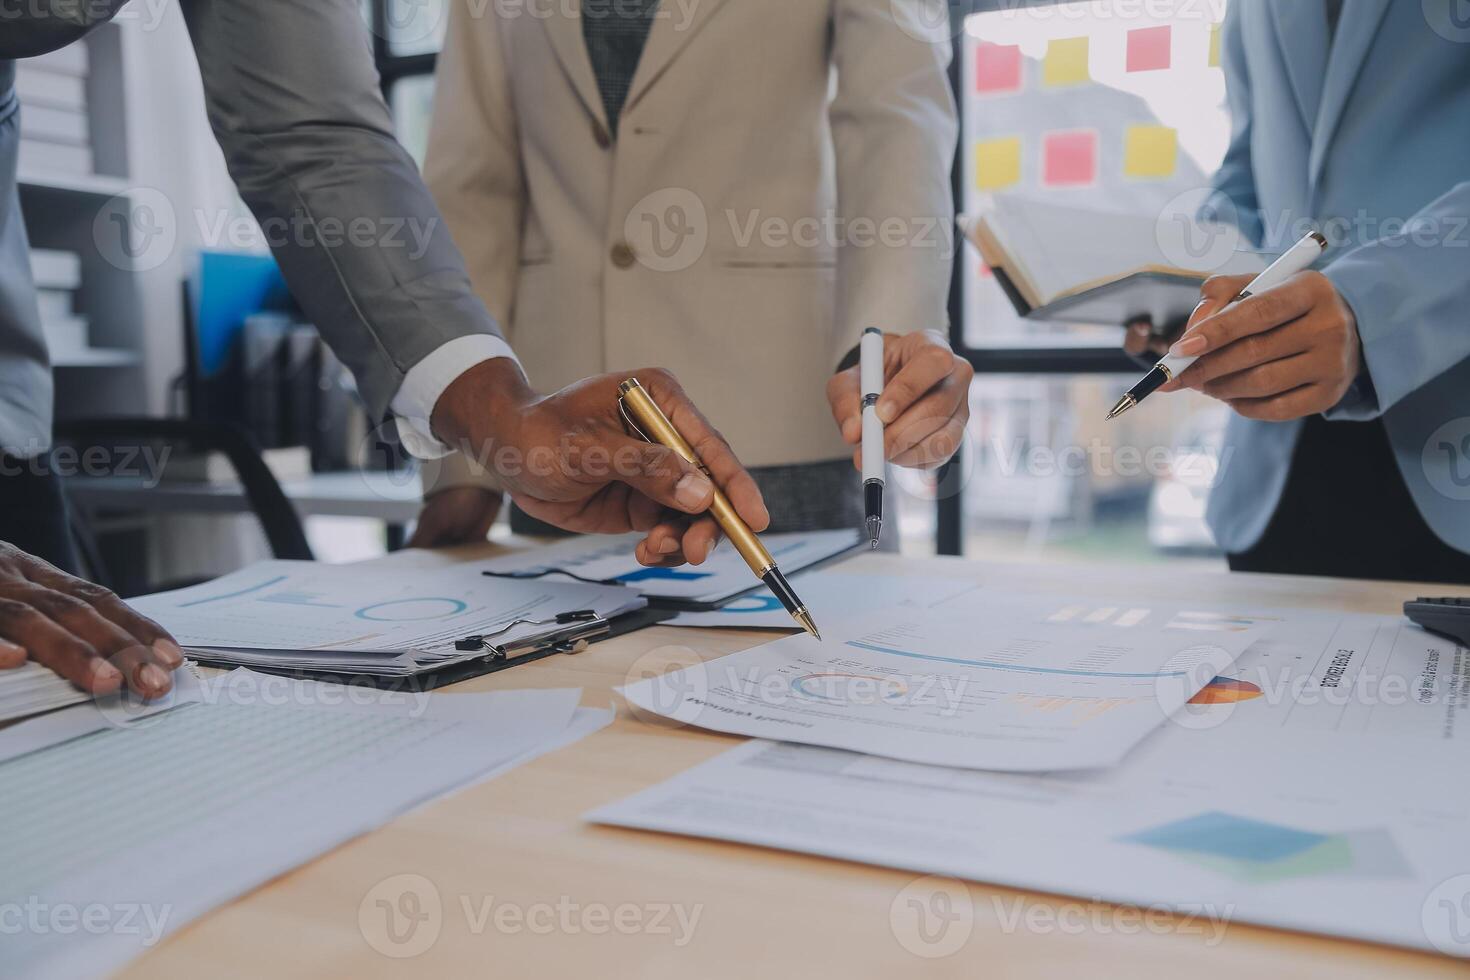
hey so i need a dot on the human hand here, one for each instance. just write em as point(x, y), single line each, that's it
point(567, 459)
point(80, 630)
point(1282, 354)
point(458, 515)
point(925, 403)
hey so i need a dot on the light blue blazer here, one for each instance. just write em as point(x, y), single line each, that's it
point(1372, 145)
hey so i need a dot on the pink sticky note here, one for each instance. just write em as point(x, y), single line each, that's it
point(1069, 159)
point(1148, 48)
point(997, 67)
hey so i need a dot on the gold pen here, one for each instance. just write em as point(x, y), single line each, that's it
point(646, 419)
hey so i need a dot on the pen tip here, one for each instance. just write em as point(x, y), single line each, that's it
point(807, 623)
point(1124, 404)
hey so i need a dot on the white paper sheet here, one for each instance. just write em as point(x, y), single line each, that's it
point(722, 575)
point(831, 595)
point(987, 681)
point(1317, 788)
point(146, 827)
point(307, 614)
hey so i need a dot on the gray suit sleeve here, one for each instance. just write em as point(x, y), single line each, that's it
point(294, 101)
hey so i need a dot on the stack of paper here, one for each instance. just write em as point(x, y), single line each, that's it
point(55, 130)
point(723, 575)
point(58, 276)
point(31, 689)
point(351, 620)
point(213, 798)
point(1312, 785)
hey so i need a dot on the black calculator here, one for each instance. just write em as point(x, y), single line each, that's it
point(1447, 617)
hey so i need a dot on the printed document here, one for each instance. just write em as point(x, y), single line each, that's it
point(985, 680)
point(1315, 786)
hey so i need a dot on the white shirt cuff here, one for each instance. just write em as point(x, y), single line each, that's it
point(427, 380)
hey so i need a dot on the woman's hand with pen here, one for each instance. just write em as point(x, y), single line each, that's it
point(924, 406)
point(1282, 354)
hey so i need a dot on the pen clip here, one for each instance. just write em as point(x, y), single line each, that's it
point(628, 420)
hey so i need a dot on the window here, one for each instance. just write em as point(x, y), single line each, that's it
point(1108, 106)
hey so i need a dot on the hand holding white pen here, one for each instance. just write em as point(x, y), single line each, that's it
point(1192, 346)
point(924, 402)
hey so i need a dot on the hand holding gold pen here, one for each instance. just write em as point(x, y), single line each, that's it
point(647, 420)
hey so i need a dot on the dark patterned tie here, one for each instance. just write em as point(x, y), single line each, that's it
point(615, 32)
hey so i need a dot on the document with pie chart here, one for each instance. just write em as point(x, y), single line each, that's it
point(308, 615)
point(985, 680)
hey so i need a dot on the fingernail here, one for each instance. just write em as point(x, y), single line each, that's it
point(1191, 345)
point(692, 491)
point(153, 678)
point(886, 412)
point(169, 651)
point(106, 673)
point(667, 546)
point(704, 553)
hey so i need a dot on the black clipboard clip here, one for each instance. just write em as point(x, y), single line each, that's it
point(586, 628)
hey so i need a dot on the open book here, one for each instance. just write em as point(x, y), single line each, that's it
point(1074, 265)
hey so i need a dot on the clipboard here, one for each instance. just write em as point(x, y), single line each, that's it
point(577, 638)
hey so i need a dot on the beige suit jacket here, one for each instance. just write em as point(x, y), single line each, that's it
point(780, 180)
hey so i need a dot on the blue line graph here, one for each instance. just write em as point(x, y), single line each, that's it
point(997, 665)
point(370, 613)
point(234, 595)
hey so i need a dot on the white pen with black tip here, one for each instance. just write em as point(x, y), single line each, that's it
point(871, 374)
point(1299, 258)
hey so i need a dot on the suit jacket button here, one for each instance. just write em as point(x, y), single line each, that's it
point(623, 255)
point(599, 133)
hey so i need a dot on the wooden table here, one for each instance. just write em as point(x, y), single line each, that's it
point(520, 840)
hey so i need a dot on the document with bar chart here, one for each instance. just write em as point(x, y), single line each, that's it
point(984, 681)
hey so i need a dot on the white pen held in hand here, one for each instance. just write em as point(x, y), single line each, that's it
point(871, 375)
point(1299, 258)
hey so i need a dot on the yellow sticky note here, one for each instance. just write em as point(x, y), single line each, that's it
point(1066, 62)
point(1151, 151)
point(998, 163)
point(1214, 45)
